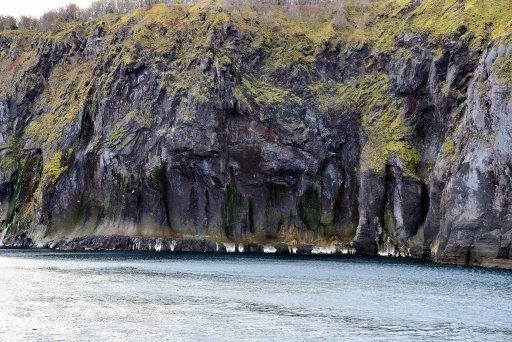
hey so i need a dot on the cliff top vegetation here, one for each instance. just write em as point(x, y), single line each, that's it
point(356, 21)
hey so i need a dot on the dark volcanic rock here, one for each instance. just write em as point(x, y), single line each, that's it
point(252, 248)
point(282, 248)
point(195, 246)
point(110, 140)
point(21, 240)
point(371, 201)
point(304, 249)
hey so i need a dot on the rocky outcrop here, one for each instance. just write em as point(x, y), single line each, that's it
point(475, 221)
point(191, 129)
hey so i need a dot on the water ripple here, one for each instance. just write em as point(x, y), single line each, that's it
point(52, 296)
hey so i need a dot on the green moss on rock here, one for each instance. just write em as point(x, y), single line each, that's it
point(383, 122)
point(503, 67)
point(267, 95)
point(448, 147)
point(53, 169)
point(309, 208)
point(237, 213)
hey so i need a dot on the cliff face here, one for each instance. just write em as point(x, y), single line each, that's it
point(211, 122)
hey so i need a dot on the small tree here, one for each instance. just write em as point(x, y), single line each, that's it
point(69, 13)
point(28, 23)
point(48, 20)
point(8, 22)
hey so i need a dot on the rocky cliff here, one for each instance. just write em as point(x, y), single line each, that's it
point(389, 130)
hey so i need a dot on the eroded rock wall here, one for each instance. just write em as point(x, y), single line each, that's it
point(211, 130)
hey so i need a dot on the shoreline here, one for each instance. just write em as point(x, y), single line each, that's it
point(185, 244)
point(191, 245)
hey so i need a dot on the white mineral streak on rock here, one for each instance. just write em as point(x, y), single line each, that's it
point(230, 247)
point(269, 249)
point(323, 250)
point(159, 245)
point(240, 248)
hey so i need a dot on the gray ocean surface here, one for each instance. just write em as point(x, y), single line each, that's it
point(124, 296)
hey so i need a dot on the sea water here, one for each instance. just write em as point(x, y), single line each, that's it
point(129, 296)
